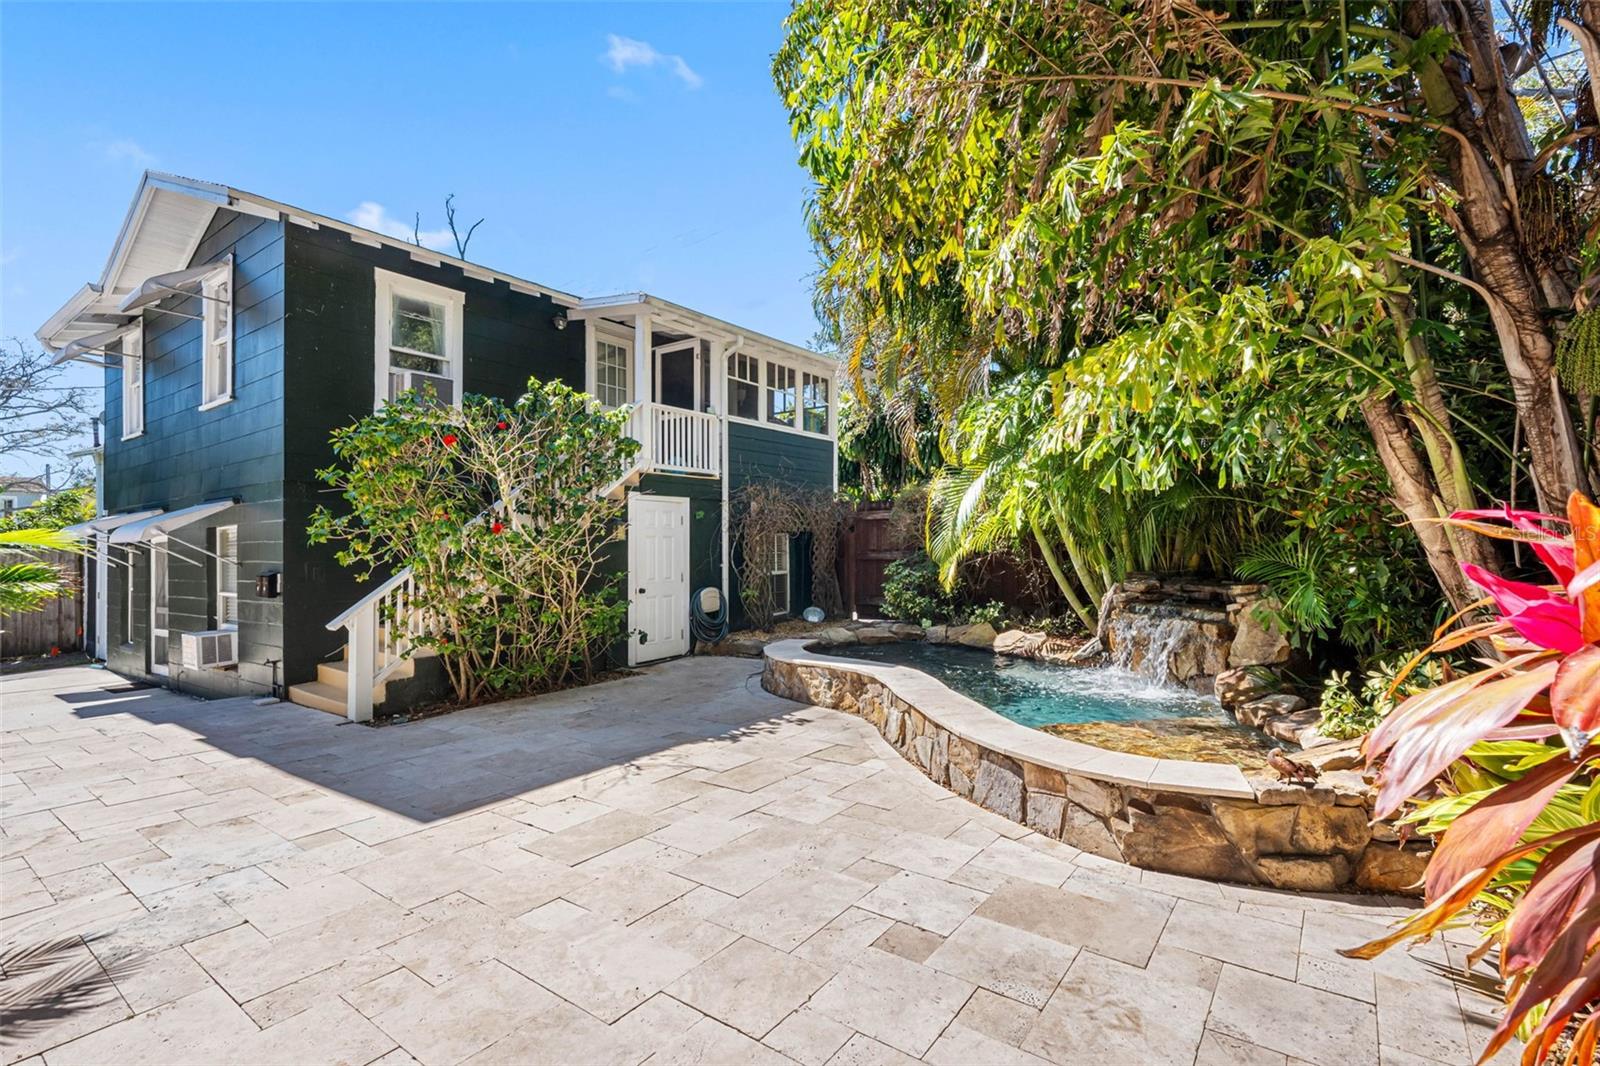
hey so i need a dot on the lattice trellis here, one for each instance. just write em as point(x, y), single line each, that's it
point(763, 511)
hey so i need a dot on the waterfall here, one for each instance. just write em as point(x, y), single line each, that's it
point(1145, 644)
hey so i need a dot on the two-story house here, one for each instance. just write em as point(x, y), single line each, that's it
point(237, 333)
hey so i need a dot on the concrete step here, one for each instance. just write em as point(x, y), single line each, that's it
point(320, 696)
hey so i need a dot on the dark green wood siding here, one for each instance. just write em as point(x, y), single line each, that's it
point(187, 456)
point(507, 338)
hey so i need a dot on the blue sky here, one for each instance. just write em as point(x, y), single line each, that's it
point(609, 147)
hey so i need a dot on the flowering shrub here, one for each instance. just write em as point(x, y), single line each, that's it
point(1518, 802)
point(498, 511)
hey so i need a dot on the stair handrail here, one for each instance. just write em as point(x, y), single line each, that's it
point(378, 593)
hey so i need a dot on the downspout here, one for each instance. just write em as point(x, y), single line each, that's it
point(720, 373)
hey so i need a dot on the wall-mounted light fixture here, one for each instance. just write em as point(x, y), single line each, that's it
point(559, 320)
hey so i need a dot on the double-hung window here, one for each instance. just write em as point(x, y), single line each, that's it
point(780, 394)
point(744, 386)
point(133, 382)
point(814, 403)
point(780, 573)
point(418, 333)
point(216, 360)
point(227, 577)
point(612, 359)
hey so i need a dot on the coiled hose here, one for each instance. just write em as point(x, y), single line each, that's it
point(708, 616)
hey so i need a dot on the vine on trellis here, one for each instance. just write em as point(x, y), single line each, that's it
point(762, 511)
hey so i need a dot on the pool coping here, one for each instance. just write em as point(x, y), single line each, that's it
point(964, 717)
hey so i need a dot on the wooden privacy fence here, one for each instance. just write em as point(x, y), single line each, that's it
point(872, 538)
point(56, 624)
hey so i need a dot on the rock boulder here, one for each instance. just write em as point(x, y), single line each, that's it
point(1235, 687)
point(1258, 712)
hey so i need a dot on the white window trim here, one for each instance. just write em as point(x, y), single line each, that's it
point(728, 378)
point(222, 592)
point(691, 345)
point(800, 370)
point(806, 377)
point(210, 303)
point(617, 337)
point(388, 286)
point(133, 368)
point(783, 553)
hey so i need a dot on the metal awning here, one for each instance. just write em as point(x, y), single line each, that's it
point(155, 289)
point(144, 529)
point(95, 344)
point(106, 523)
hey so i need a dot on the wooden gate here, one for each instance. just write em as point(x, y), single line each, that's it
point(56, 624)
point(866, 550)
point(871, 541)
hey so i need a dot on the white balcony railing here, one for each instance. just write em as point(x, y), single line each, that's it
point(675, 441)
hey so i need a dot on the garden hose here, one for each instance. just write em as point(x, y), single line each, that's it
point(708, 616)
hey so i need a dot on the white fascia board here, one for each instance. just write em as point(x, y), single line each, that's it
point(76, 304)
point(700, 323)
point(372, 238)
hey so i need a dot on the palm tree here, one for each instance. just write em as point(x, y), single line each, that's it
point(27, 582)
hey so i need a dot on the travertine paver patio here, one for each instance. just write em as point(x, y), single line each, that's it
point(672, 868)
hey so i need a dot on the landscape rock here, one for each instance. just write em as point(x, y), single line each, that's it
point(999, 787)
point(1088, 652)
point(1182, 840)
point(1236, 687)
point(1254, 829)
point(977, 635)
point(907, 630)
point(1333, 755)
point(1094, 796)
point(837, 635)
point(1258, 711)
point(1387, 868)
point(1325, 873)
point(936, 634)
point(1257, 641)
point(1046, 812)
point(1019, 642)
point(1086, 832)
point(1330, 831)
point(877, 635)
point(1275, 793)
point(1350, 789)
point(1288, 727)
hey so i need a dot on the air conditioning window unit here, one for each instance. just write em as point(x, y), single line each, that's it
point(443, 387)
point(210, 649)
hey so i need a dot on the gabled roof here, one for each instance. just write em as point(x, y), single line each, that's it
point(21, 484)
point(170, 215)
point(165, 223)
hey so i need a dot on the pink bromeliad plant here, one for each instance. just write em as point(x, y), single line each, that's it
point(1523, 834)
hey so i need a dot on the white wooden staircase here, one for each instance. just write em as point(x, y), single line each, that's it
point(331, 690)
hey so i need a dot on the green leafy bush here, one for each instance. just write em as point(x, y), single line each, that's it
point(497, 509)
point(1347, 713)
point(912, 592)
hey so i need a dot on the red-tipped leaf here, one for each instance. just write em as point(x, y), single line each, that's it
point(1566, 882)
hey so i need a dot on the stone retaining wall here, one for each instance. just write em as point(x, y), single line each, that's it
point(1197, 819)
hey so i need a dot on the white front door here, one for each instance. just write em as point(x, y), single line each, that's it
point(158, 606)
point(658, 577)
point(102, 593)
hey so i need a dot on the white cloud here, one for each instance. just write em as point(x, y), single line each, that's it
point(625, 52)
point(124, 150)
point(374, 216)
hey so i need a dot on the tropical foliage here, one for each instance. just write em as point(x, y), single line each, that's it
point(55, 511)
point(1517, 798)
point(1200, 282)
point(498, 509)
point(28, 582)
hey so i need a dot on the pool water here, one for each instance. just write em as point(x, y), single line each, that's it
point(1040, 694)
